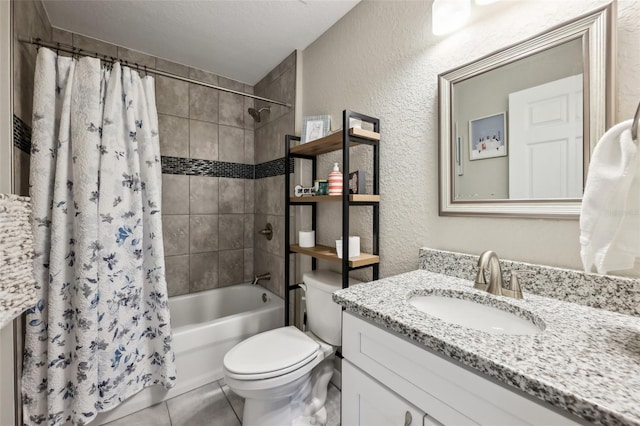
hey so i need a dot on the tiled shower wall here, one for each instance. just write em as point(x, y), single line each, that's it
point(207, 142)
point(279, 84)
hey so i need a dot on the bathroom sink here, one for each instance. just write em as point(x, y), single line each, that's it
point(470, 314)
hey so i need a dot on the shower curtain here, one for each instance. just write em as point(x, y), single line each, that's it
point(100, 330)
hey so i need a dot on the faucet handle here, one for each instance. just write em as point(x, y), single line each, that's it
point(516, 288)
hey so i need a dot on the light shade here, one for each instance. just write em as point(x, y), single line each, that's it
point(449, 15)
point(483, 2)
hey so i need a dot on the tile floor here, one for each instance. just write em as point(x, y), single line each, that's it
point(210, 405)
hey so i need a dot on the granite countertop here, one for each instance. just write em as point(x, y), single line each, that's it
point(586, 361)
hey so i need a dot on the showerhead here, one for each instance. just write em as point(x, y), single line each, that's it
point(255, 113)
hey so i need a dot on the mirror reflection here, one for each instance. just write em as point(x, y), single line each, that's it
point(518, 130)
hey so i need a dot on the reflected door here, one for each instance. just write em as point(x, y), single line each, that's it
point(545, 133)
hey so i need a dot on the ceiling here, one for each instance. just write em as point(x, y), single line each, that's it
point(239, 39)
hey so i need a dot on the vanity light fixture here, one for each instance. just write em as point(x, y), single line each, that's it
point(449, 15)
point(483, 2)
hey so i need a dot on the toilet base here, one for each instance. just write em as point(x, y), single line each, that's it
point(304, 407)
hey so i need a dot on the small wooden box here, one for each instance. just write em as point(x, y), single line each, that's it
point(357, 182)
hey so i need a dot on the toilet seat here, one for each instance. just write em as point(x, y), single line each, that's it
point(271, 354)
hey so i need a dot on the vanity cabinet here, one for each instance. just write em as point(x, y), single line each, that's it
point(385, 374)
point(366, 402)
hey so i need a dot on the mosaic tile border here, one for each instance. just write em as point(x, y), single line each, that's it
point(273, 168)
point(182, 166)
point(616, 294)
point(21, 135)
point(196, 167)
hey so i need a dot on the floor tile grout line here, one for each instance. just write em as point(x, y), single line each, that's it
point(166, 404)
point(229, 401)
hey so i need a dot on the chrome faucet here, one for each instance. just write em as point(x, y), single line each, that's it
point(496, 284)
point(258, 278)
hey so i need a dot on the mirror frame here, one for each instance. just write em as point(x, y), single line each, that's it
point(597, 31)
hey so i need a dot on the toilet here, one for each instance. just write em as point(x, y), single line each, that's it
point(283, 373)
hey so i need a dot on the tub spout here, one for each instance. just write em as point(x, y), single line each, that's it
point(258, 278)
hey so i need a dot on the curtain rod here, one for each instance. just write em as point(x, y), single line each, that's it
point(76, 51)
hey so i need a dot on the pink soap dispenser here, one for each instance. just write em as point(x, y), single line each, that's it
point(335, 181)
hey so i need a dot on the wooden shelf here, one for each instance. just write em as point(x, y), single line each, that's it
point(353, 198)
point(329, 253)
point(333, 142)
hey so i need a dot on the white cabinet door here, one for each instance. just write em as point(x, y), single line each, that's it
point(365, 402)
point(545, 140)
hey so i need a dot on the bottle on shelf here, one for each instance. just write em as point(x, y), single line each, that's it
point(335, 181)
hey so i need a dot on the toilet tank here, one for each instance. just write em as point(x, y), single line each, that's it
point(324, 316)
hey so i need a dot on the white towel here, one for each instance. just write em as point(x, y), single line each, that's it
point(610, 215)
point(17, 283)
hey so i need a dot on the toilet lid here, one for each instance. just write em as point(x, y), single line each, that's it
point(271, 353)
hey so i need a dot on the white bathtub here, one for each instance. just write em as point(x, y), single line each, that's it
point(205, 326)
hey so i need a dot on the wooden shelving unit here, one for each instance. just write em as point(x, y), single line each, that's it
point(342, 140)
point(333, 142)
point(329, 254)
point(353, 199)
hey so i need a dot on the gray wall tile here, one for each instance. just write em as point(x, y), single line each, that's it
point(172, 96)
point(249, 202)
point(228, 83)
point(28, 19)
point(267, 262)
point(203, 271)
point(231, 109)
point(203, 231)
point(203, 103)
point(61, 36)
point(275, 195)
point(175, 194)
point(203, 194)
point(288, 62)
point(231, 198)
point(249, 122)
point(249, 231)
point(274, 245)
point(21, 165)
point(260, 196)
point(270, 138)
point(231, 144)
point(231, 263)
point(172, 67)
point(204, 76)
point(93, 45)
point(249, 143)
point(133, 57)
point(231, 231)
point(174, 135)
point(177, 273)
point(248, 265)
point(203, 140)
point(175, 230)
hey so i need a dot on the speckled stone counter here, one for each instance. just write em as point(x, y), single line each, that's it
point(586, 361)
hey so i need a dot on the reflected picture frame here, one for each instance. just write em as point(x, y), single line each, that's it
point(488, 137)
point(315, 127)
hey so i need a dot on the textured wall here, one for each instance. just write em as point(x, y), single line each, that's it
point(381, 59)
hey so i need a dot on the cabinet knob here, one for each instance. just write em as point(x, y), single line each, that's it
point(407, 418)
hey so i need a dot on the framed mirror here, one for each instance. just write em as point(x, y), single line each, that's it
point(517, 127)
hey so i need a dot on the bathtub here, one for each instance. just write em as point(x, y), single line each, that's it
point(205, 326)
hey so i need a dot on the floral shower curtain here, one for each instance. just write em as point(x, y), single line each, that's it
point(100, 330)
